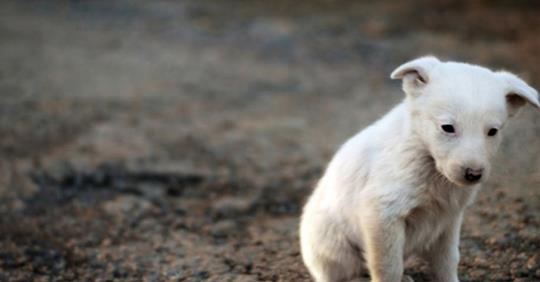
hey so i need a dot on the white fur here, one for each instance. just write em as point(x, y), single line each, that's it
point(398, 188)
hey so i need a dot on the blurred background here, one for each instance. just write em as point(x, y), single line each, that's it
point(177, 140)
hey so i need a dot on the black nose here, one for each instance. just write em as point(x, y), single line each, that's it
point(473, 175)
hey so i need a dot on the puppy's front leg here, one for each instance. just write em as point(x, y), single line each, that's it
point(384, 238)
point(443, 256)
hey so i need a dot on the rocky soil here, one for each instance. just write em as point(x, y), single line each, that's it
point(178, 140)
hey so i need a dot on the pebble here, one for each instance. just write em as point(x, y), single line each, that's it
point(231, 206)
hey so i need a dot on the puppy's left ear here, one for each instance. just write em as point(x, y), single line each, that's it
point(518, 93)
point(415, 74)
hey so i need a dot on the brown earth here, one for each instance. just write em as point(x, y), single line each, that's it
point(178, 140)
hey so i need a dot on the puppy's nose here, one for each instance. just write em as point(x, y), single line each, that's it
point(473, 175)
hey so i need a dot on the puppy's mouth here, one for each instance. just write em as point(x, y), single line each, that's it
point(461, 183)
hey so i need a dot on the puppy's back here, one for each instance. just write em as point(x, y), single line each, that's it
point(351, 167)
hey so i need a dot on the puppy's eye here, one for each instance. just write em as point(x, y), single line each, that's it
point(448, 128)
point(492, 132)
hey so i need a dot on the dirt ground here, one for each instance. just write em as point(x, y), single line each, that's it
point(177, 140)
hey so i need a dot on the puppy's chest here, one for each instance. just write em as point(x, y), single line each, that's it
point(427, 222)
point(423, 227)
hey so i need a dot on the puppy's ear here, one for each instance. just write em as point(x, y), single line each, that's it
point(518, 93)
point(415, 73)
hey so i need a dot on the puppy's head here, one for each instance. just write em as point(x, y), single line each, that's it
point(459, 110)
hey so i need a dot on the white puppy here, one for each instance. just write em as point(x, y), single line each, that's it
point(399, 187)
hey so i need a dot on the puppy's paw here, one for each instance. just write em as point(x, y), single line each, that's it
point(407, 278)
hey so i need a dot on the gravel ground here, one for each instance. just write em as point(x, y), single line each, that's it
point(177, 140)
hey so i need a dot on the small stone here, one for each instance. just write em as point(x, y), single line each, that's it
point(223, 228)
point(127, 205)
point(477, 273)
point(229, 206)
